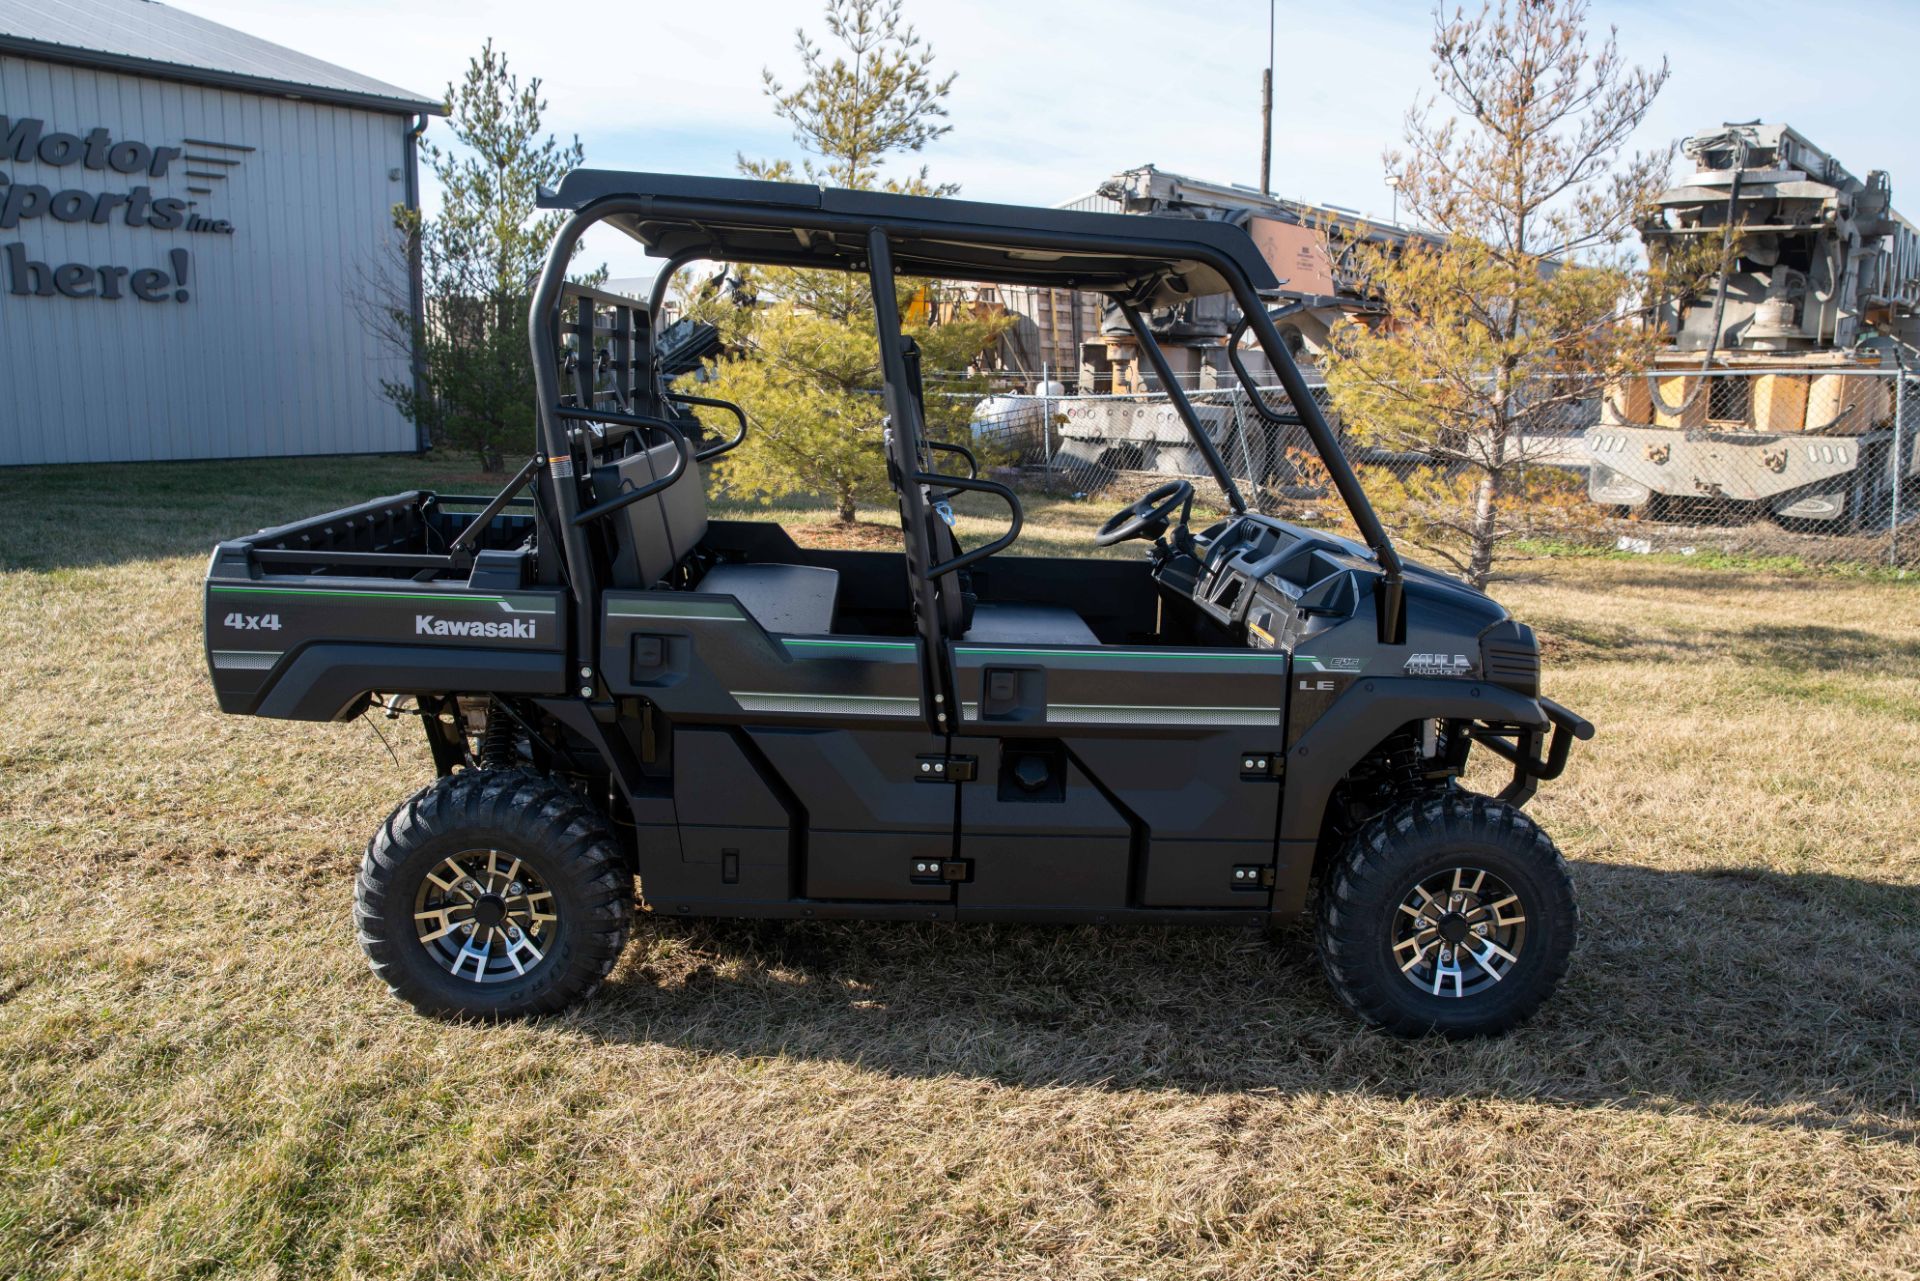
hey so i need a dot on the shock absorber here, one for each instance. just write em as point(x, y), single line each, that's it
point(497, 743)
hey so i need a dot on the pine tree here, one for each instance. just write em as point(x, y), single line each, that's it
point(480, 255)
point(809, 368)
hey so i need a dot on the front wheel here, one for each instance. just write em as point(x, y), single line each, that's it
point(494, 894)
point(1452, 913)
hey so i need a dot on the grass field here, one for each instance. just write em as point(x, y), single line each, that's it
point(200, 1078)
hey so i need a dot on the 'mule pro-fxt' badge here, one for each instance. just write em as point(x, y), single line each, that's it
point(1439, 665)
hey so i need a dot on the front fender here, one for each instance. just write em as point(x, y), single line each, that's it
point(1369, 711)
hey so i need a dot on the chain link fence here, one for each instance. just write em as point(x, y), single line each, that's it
point(1818, 465)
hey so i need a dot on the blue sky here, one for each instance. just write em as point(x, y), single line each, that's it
point(1055, 95)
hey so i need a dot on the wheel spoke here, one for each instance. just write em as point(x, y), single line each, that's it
point(477, 954)
point(1500, 952)
point(1420, 951)
point(447, 924)
point(1503, 921)
point(1479, 959)
point(452, 885)
point(514, 949)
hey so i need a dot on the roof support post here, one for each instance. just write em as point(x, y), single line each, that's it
point(903, 465)
point(1391, 601)
point(1184, 407)
point(543, 318)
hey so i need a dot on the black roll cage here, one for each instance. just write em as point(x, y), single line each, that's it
point(559, 466)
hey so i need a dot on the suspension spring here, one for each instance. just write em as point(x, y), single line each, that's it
point(497, 743)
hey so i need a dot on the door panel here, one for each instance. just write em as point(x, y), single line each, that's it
point(868, 817)
point(1161, 736)
point(1185, 873)
point(1037, 832)
point(814, 738)
point(736, 829)
point(1028, 871)
point(879, 866)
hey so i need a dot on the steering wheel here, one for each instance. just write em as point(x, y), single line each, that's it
point(1146, 518)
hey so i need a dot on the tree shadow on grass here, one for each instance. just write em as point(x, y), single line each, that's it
point(78, 517)
point(94, 515)
point(1780, 998)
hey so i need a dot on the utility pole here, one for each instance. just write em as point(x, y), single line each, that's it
point(1266, 112)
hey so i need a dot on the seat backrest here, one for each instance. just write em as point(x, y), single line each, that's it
point(651, 537)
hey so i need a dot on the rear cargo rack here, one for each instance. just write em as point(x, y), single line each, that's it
point(396, 533)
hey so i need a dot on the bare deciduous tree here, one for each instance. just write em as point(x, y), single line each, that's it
point(1522, 310)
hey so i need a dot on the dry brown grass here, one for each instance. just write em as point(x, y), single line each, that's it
point(202, 1079)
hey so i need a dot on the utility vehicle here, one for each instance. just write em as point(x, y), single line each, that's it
point(1247, 719)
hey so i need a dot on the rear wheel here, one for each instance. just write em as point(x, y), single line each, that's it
point(1452, 914)
point(496, 893)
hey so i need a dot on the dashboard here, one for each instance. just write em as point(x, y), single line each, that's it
point(1265, 580)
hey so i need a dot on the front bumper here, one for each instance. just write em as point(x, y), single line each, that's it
point(1530, 767)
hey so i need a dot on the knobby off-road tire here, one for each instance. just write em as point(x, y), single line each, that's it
point(479, 857)
point(1447, 876)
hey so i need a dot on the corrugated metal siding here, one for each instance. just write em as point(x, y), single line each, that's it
point(1093, 202)
point(274, 354)
point(162, 33)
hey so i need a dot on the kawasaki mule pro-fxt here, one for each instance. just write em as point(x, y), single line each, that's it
point(1248, 719)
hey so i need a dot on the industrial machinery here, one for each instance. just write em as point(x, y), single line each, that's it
point(1248, 722)
point(1308, 246)
point(1781, 386)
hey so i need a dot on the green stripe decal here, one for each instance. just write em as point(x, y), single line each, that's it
point(827, 698)
point(404, 598)
point(895, 646)
point(716, 611)
point(1123, 654)
point(470, 598)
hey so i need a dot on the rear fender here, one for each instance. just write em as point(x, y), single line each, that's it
point(327, 682)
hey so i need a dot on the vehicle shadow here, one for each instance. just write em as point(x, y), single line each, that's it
point(1785, 997)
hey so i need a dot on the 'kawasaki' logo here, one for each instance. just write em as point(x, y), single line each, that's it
point(516, 629)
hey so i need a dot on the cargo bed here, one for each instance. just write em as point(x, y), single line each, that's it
point(401, 594)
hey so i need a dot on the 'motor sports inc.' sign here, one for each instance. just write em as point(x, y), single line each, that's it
point(22, 204)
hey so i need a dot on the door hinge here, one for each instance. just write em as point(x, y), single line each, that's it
point(1253, 876)
point(936, 871)
point(1262, 767)
point(945, 769)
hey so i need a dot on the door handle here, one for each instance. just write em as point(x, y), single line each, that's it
point(1012, 693)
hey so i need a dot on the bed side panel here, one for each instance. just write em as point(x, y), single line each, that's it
point(307, 649)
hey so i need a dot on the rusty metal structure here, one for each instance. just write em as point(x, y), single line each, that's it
point(1309, 247)
point(1784, 385)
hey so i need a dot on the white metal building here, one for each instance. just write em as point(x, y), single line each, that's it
point(195, 228)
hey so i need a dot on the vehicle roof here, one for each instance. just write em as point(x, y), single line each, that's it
point(1159, 261)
